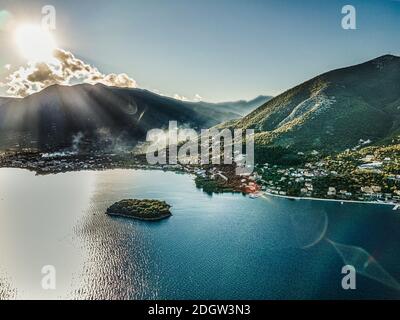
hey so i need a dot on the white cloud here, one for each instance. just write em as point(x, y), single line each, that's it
point(64, 69)
point(196, 98)
point(179, 97)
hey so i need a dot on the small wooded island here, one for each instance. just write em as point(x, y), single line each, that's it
point(150, 210)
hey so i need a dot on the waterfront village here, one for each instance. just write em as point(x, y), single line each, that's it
point(375, 177)
point(350, 176)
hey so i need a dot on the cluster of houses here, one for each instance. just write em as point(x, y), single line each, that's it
point(246, 182)
point(46, 164)
point(375, 193)
point(290, 176)
point(373, 164)
point(212, 173)
point(284, 178)
point(361, 143)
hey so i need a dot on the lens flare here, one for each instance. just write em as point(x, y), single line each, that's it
point(34, 43)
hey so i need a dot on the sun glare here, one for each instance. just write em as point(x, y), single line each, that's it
point(34, 43)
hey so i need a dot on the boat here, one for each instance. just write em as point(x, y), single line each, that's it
point(396, 207)
point(254, 195)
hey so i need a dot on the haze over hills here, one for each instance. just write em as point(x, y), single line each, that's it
point(58, 115)
point(332, 111)
point(240, 108)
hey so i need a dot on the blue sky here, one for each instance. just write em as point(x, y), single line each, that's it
point(220, 49)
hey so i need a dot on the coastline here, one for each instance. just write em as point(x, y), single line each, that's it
point(322, 199)
point(141, 167)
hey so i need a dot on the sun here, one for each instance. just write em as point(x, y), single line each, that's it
point(35, 43)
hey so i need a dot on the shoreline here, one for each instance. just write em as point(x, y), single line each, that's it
point(140, 167)
point(323, 199)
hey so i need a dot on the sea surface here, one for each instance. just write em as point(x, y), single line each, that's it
point(224, 246)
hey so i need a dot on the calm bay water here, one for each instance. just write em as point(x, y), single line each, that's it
point(213, 247)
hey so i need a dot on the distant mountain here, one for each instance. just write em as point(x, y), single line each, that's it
point(333, 111)
point(61, 116)
point(239, 108)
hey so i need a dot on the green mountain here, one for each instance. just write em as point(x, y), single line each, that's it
point(332, 111)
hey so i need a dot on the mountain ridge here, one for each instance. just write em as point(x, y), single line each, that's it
point(332, 111)
point(52, 117)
